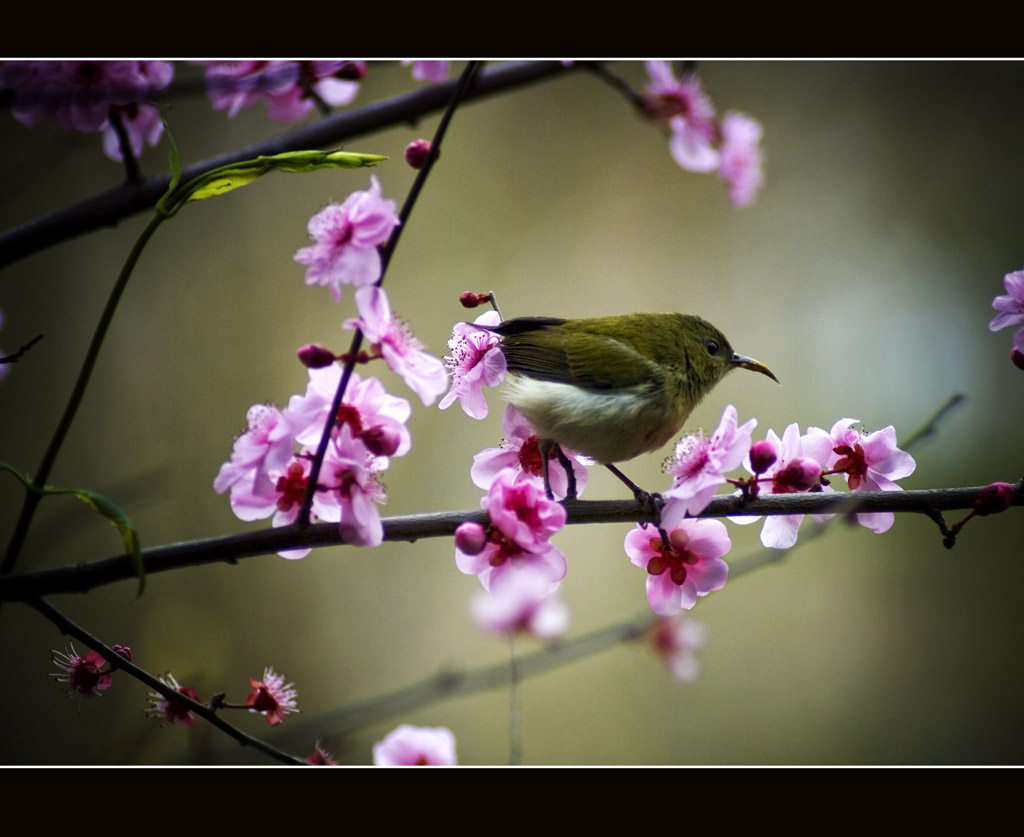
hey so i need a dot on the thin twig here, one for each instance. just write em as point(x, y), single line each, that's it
point(385, 258)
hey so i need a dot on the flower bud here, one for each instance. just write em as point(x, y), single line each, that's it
point(381, 441)
point(994, 498)
point(469, 299)
point(123, 651)
point(1017, 356)
point(799, 475)
point(762, 456)
point(470, 538)
point(313, 356)
point(417, 152)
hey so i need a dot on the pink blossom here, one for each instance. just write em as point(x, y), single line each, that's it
point(348, 493)
point(690, 565)
point(358, 492)
point(410, 745)
point(428, 70)
point(80, 95)
point(423, 373)
point(523, 521)
point(684, 106)
point(286, 86)
point(1011, 308)
point(170, 710)
point(677, 639)
point(234, 85)
point(740, 165)
point(370, 412)
point(799, 462)
point(522, 601)
point(81, 674)
point(271, 697)
point(870, 462)
point(143, 125)
point(699, 466)
point(347, 236)
point(476, 361)
point(259, 454)
point(522, 512)
point(333, 81)
point(520, 451)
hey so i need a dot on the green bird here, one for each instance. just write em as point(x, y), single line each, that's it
point(612, 387)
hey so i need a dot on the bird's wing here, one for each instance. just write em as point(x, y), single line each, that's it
point(533, 347)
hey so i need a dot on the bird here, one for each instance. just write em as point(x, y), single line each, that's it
point(612, 387)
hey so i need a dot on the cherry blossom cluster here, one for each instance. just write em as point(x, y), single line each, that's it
point(699, 141)
point(291, 89)
point(82, 95)
point(1011, 313)
point(268, 477)
point(268, 473)
point(794, 463)
point(514, 559)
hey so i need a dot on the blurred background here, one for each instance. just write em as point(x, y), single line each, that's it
point(863, 275)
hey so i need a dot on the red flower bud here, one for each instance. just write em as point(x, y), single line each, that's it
point(470, 538)
point(313, 356)
point(994, 498)
point(762, 456)
point(416, 153)
point(798, 475)
point(473, 300)
point(381, 441)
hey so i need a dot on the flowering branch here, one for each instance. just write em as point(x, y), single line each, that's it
point(386, 251)
point(116, 661)
point(81, 578)
point(115, 204)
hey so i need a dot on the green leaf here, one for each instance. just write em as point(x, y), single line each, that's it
point(227, 178)
point(224, 182)
point(106, 507)
point(120, 521)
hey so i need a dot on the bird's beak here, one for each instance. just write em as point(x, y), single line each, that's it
point(753, 365)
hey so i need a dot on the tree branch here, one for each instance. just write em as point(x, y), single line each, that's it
point(108, 208)
point(80, 578)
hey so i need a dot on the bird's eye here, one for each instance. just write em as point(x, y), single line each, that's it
point(712, 347)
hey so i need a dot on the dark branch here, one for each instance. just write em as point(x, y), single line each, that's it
point(81, 578)
point(108, 208)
